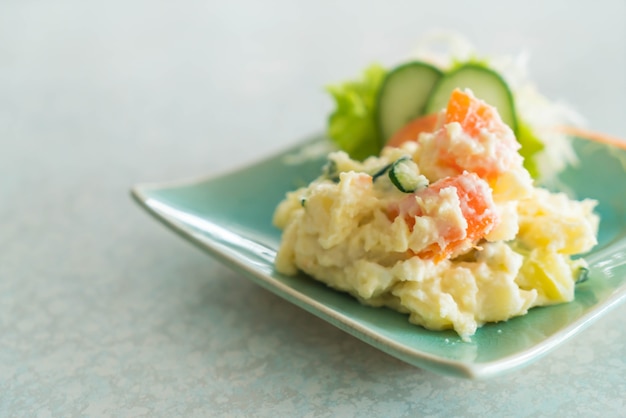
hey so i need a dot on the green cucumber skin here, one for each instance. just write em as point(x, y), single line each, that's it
point(429, 75)
point(485, 83)
point(406, 182)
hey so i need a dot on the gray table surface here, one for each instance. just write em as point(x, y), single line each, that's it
point(103, 312)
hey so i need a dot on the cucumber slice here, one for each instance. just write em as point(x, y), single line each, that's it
point(486, 84)
point(404, 175)
point(381, 171)
point(403, 96)
point(582, 275)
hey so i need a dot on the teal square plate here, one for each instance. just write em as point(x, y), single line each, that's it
point(230, 216)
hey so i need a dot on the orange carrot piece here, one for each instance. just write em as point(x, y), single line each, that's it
point(413, 129)
point(476, 204)
point(592, 136)
point(477, 207)
point(471, 113)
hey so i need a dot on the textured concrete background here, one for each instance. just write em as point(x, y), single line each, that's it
point(104, 312)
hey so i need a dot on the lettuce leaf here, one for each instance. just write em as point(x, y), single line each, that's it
point(352, 126)
point(531, 146)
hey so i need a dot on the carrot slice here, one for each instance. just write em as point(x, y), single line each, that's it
point(593, 136)
point(413, 129)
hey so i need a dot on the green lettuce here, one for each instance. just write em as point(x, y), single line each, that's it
point(352, 126)
point(531, 146)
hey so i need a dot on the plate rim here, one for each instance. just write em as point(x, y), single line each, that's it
point(459, 368)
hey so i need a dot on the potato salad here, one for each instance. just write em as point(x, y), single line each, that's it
point(447, 227)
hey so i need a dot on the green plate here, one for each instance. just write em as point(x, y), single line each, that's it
point(230, 216)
